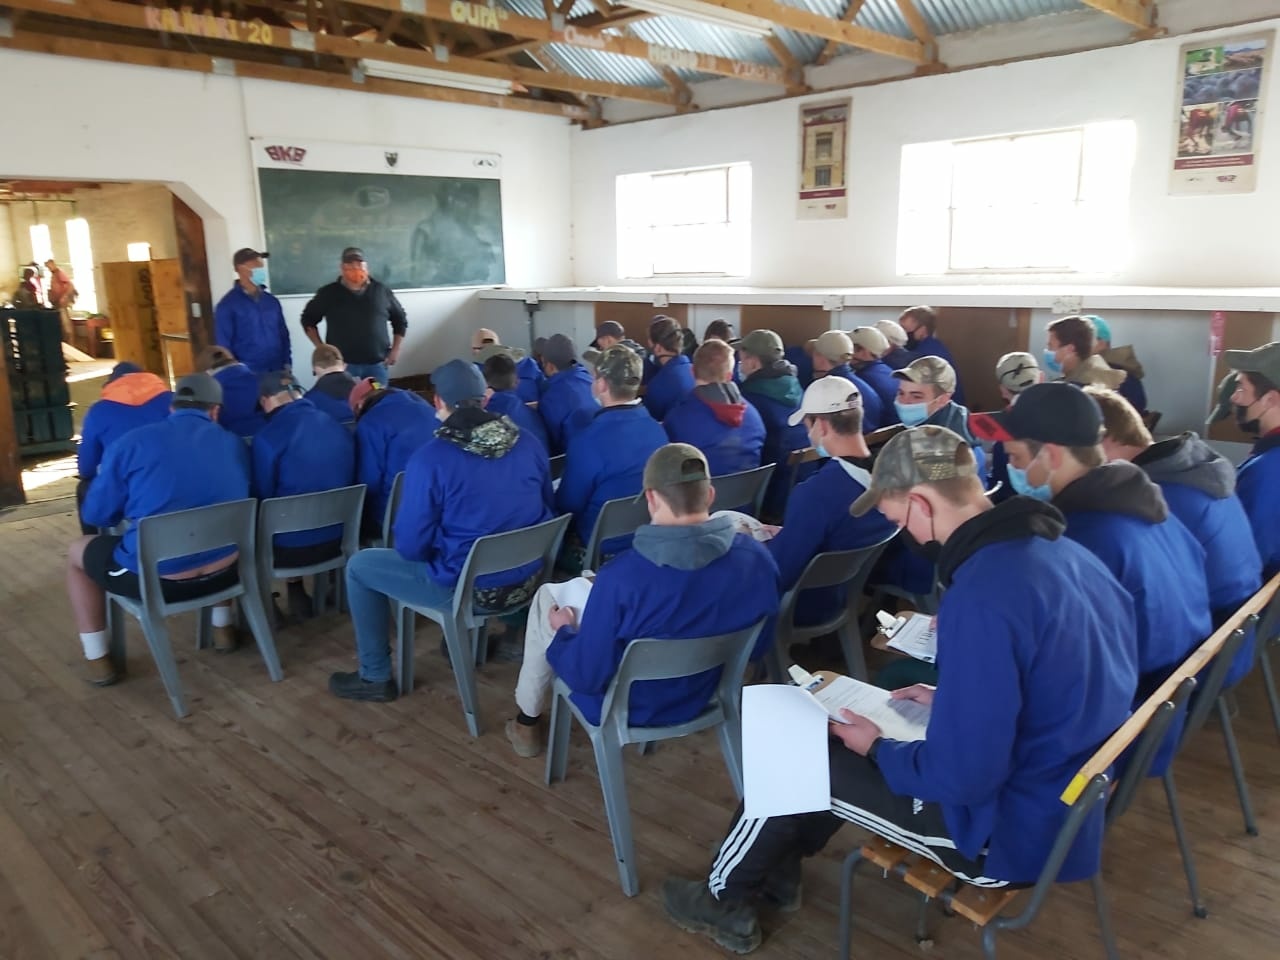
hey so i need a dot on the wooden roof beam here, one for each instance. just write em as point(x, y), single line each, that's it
point(163, 21)
point(1136, 13)
point(815, 24)
point(850, 14)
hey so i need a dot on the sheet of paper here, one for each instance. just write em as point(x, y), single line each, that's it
point(897, 719)
point(784, 752)
point(746, 523)
point(572, 593)
point(917, 638)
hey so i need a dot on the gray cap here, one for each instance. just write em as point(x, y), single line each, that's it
point(916, 456)
point(764, 344)
point(871, 339)
point(835, 345)
point(621, 368)
point(1264, 360)
point(1222, 408)
point(494, 349)
point(1017, 371)
point(929, 370)
point(675, 463)
point(198, 388)
point(560, 351)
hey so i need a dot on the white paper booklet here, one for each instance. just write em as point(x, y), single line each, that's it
point(915, 635)
point(784, 752)
point(898, 719)
point(572, 593)
point(745, 523)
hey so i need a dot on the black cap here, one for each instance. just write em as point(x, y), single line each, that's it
point(245, 254)
point(354, 255)
point(276, 381)
point(198, 388)
point(1059, 413)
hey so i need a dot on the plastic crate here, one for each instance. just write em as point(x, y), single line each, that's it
point(33, 344)
point(43, 426)
point(36, 392)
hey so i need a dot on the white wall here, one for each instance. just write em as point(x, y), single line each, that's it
point(192, 130)
point(1176, 241)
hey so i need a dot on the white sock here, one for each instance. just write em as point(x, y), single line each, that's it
point(222, 615)
point(95, 644)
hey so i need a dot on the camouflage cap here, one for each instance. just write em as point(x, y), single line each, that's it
point(621, 368)
point(1222, 408)
point(916, 456)
point(488, 350)
point(933, 371)
point(1017, 371)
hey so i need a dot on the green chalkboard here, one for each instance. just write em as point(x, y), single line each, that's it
point(416, 231)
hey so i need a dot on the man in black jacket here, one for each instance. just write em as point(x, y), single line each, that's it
point(356, 309)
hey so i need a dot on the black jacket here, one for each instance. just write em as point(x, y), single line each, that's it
point(356, 323)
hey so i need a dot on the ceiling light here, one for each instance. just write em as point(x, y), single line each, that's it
point(440, 78)
point(707, 13)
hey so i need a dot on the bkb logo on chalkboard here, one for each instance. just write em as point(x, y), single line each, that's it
point(391, 158)
point(286, 154)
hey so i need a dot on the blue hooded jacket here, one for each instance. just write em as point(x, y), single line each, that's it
point(897, 358)
point(532, 380)
point(239, 413)
point(632, 599)
point(479, 475)
point(183, 461)
point(1035, 670)
point(507, 403)
point(127, 402)
point(671, 383)
point(1257, 483)
point(872, 412)
point(878, 375)
point(818, 521)
point(302, 450)
point(776, 393)
point(802, 361)
point(253, 330)
point(728, 430)
point(331, 394)
point(1199, 486)
point(393, 425)
point(931, 346)
point(606, 461)
point(566, 405)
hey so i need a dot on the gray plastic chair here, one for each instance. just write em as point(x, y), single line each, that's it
point(557, 466)
point(310, 511)
point(617, 518)
point(172, 535)
point(493, 554)
point(847, 568)
point(1269, 636)
point(389, 515)
point(744, 489)
point(653, 660)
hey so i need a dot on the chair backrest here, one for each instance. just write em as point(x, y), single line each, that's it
point(557, 466)
point(652, 659)
point(744, 489)
point(1210, 681)
point(849, 568)
point(1143, 752)
point(616, 518)
point(168, 536)
point(506, 551)
point(393, 507)
point(878, 438)
point(311, 511)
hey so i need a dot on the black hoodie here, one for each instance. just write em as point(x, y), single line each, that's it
point(1190, 461)
point(1119, 487)
point(1013, 519)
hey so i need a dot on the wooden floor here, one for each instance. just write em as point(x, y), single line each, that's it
point(277, 821)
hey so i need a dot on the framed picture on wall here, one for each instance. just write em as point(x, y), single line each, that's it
point(824, 132)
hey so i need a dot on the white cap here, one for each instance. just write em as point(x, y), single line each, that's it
point(827, 395)
point(893, 332)
point(869, 338)
point(835, 345)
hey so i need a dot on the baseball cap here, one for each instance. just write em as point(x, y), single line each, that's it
point(915, 456)
point(620, 367)
point(458, 380)
point(277, 381)
point(214, 356)
point(719, 330)
point(764, 344)
point(675, 463)
point(123, 369)
point(1222, 408)
point(539, 345)
point(932, 371)
point(483, 336)
point(1017, 371)
point(1058, 413)
point(665, 332)
point(494, 349)
point(198, 388)
point(354, 255)
point(1264, 360)
point(835, 345)
point(610, 328)
point(869, 338)
point(559, 350)
point(360, 392)
point(1101, 329)
point(245, 254)
point(893, 332)
point(827, 395)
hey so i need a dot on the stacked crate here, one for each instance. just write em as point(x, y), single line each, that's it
point(37, 374)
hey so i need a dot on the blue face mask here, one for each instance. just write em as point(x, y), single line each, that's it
point(912, 414)
point(1018, 480)
point(259, 276)
point(821, 450)
point(1051, 364)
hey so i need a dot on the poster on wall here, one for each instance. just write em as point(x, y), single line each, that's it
point(824, 130)
point(1221, 87)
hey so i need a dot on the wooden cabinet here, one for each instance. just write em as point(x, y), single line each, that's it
point(149, 317)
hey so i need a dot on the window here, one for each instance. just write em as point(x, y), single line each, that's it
point(138, 252)
point(1054, 202)
point(82, 265)
point(685, 222)
point(822, 176)
point(41, 245)
point(822, 146)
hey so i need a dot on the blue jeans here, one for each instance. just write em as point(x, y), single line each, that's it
point(376, 370)
point(374, 578)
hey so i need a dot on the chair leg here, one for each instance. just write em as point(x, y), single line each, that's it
point(1264, 659)
point(204, 628)
point(851, 645)
point(162, 653)
point(406, 623)
point(922, 921)
point(558, 740)
point(340, 590)
point(252, 610)
point(730, 732)
point(320, 593)
point(464, 673)
point(613, 785)
point(116, 637)
point(989, 941)
point(1105, 930)
point(1237, 767)
point(480, 642)
point(1188, 862)
point(847, 871)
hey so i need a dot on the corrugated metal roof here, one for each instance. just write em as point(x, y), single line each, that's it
point(943, 17)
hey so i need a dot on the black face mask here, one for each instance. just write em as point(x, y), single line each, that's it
point(930, 550)
point(1244, 422)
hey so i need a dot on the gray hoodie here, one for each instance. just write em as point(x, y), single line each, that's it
point(1190, 461)
point(685, 548)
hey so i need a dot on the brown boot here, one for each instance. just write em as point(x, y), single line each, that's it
point(102, 672)
point(526, 741)
point(224, 639)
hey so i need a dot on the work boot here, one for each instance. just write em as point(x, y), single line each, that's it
point(300, 605)
point(691, 907)
point(350, 686)
point(783, 886)
point(526, 740)
point(102, 672)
